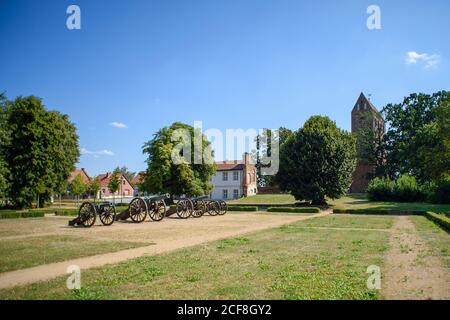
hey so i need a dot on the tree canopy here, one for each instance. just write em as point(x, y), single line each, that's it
point(417, 140)
point(41, 151)
point(3, 142)
point(186, 178)
point(126, 172)
point(317, 161)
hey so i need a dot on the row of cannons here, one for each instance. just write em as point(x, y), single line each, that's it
point(154, 207)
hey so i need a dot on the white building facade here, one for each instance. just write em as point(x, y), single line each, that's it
point(234, 179)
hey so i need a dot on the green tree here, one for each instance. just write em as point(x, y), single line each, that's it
point(416, 132)
point(94, 186)
point(264, 146)
point(317, 161)
point(126, 172)
point(114, 185)
point(78, 187)
point(3, 142)
point(41, 151)
point(187, 178)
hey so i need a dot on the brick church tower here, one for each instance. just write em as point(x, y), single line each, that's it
point(365, 116)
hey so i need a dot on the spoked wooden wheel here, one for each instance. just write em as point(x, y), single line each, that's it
point(199, 209)
point(214, 208)
point(138, 210)
point(223, 207)
point(87, 214)
point(185, 208)
point(107, 214)
point(157, 211)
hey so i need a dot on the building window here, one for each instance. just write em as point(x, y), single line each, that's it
point(124, 182)
point(225, 194)
point(235, 176)
point(235, 193)
point(225, 176)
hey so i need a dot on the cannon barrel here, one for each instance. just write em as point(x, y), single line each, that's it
point(201, 198)
point(158, 197)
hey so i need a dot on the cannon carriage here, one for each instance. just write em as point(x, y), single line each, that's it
point(139, 208)
point(197, 207)
point(88, 212)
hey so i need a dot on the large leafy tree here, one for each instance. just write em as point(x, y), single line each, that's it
point(186, 178)
point(415, 141)
point(41, 152)
point(3, 142)
point(264, 147)
point(317, 161)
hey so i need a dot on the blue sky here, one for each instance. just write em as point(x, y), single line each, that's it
point(229, 63)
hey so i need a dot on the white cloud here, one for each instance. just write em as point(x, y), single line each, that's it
point(430, 60)
point(96, 154)
point(118, 125)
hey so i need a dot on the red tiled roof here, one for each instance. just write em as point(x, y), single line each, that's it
point(138, 178)
point(77, 172)
point(229, 165)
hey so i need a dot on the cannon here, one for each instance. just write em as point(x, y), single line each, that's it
point(184, 208)
point(88, 212)
point(154, 206)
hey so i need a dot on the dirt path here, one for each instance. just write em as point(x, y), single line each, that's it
point(169, 235)
point(409, 272)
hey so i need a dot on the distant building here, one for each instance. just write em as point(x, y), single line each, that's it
point(234, 179)
point(137, 180)
point(84, 175)
point(125, 189)
point(365, 116)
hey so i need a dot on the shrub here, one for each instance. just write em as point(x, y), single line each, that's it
point(380, 189)
point(294, 210)
point(407, 189)
point(439, 219)
point(242, 208)
point(441, 192)
point(21, 214)
point(378, 211)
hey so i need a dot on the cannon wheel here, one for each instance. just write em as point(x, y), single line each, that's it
point(87, 214)
point(214, 208)
point(199, 209)
point(138, 210)
point(223, 207)
point(107, 214)
point(157, 211)
point(185, 208)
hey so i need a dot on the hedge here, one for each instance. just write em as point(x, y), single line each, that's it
point(294, 210)
point(439, 219)
point(65, 213)
point(21, 214)
point(242, 208)
point(377, 211)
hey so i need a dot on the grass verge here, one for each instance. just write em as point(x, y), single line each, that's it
point(29, 252)
point(294, 209)
point(290, 262)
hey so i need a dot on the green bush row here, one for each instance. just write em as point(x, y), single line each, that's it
point(65, 213)
point(376, 211)
point(407, 189)
point(294, 210)
point(242, 208)
point(439, 219)
point(21, 214)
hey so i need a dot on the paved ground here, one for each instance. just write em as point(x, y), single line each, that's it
point(167, 235)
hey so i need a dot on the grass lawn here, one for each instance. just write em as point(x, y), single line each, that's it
point(265, 199)
point(435, 236)
point(353, 201)
point(29, 252)
point(290, 262)
point(359, 201)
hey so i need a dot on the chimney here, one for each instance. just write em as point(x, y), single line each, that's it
point(247, 158)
